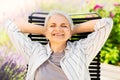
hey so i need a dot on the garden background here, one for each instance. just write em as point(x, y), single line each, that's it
point(13, 64)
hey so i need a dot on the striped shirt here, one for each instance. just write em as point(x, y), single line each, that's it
point(78, 54)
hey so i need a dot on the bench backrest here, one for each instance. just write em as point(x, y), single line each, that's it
point(38, 18)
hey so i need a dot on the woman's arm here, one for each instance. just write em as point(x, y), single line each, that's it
point(26, 27)
point(85, 27)
point(92, 44)
point(16, 29)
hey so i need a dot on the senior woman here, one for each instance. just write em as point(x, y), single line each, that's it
point(59, 59)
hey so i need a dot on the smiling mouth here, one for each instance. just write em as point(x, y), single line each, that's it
point(57, 34)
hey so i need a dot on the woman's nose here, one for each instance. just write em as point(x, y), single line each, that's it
point(58, 28)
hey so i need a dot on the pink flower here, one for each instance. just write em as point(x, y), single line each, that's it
point(117, 4)
point(111, 14)
point(96, 7)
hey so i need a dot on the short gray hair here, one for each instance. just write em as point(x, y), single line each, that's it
point(61, 13)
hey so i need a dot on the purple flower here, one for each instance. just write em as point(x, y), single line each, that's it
point(96, 7)
point(10, 71)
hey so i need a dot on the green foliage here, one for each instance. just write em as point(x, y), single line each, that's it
point(4, 40)
point(116, 29)
point(110, 53)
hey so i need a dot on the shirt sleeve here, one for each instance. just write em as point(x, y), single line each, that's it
point(95, 41)
point(21, 42)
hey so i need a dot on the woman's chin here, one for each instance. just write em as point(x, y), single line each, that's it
point(58, 40)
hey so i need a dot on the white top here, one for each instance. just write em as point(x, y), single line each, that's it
point(78, 54)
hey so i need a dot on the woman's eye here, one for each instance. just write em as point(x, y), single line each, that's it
point(52, 26)
point(64, 26)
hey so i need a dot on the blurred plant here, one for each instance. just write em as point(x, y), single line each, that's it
point(64, 5)
point(10, 67)
point(110, 53)
point(11, 71)
point(4, 39)
point(12, 64)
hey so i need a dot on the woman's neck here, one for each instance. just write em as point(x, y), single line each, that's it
point(58, 47)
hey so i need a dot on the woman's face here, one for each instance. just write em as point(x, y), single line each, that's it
point(58, 29)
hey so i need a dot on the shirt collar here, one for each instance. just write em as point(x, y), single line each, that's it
point(49, 50)
point(68, 47)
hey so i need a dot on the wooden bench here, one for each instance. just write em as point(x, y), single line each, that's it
point(38, 18)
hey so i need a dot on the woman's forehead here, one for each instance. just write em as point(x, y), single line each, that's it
point(58, 18)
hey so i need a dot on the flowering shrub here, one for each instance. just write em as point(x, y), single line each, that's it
point(11, 67)
point(110, 53)
point(12, 64)
point(11, 71)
